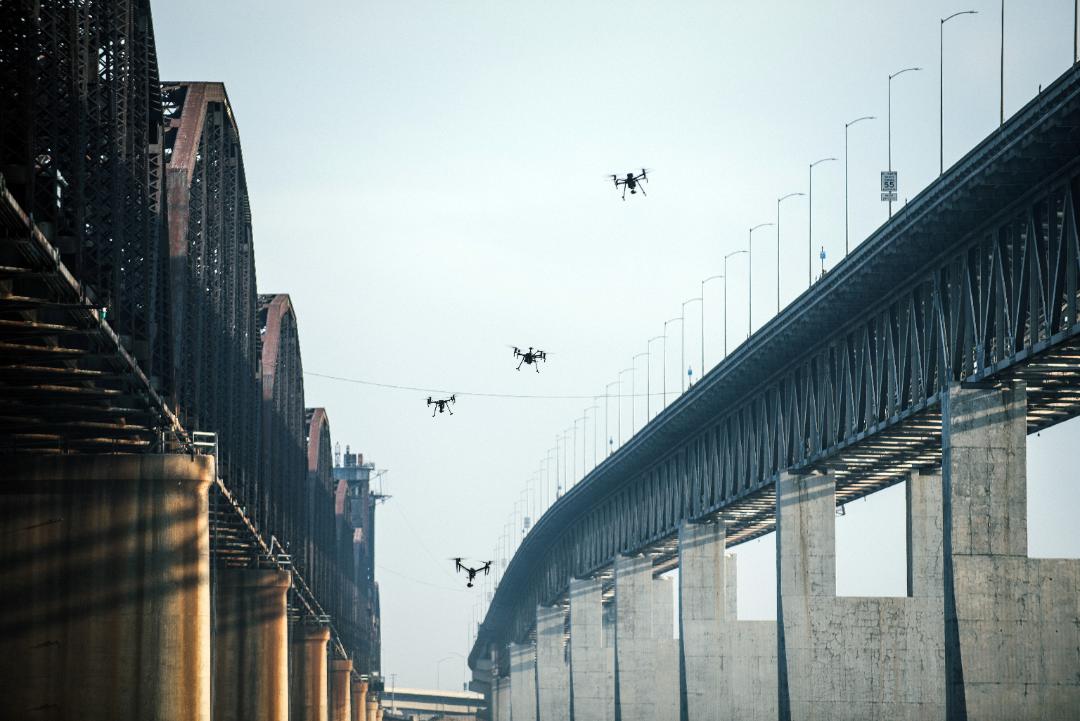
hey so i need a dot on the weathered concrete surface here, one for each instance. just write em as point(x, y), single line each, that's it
point(308, 690)
point(251, 645)
point(552, 664)
point(340, 689)
point(374, 711)
point(104, 567)
point(729, 666)
point(502, 699)
point(856, 658)
point(1012, 622)
point(359, 700)
point(592, 662)
point(646, 652)
point(523, 681)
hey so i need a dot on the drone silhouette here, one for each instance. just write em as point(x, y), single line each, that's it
point(530, 357)
point(631, 181)
point(442, 404)
point(459, 566)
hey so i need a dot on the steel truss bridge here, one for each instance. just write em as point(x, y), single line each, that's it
point(974, 281)
point(129, 314)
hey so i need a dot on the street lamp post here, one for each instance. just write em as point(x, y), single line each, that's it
point(682, 342)
point(619, 425)
point(778, 201)
point(941, 86)
point(735, 252)
point(669, 320)
point(594, 408)
point(750, 276)
point(810, 222)
point(847, 245)
point(633, 392)
point(711, 277)
point(607, 406)
point(648, 377)
point(897, 73)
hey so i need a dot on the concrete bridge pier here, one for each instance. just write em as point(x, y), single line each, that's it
point(592, 655)
point(500, 699)
point(646, 652)
point(1012, 623)
point(359, 700)
point(523, 681)
point(857, 658)
point(374, 712)
point(552, 664)
point(728, 666)
point(308, 685)
point(105, 569)
point(251, 645)
point(340, 690)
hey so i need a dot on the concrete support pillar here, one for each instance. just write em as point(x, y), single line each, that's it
point(308, 700)
point(592, 662)
point(646, 653)
point(1012, 623)
point(552, 666)
point(373, 710)
point(856, 658)
point(251, 645)
point(340, 689)
point(378, 713)
point(729, 666)
point(359, 700)
point(523, 681)
point(500, 699)
point(104, 567)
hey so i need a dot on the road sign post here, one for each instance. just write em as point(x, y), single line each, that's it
point(888, 186)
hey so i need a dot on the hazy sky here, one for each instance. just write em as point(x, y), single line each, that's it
point(427, 182)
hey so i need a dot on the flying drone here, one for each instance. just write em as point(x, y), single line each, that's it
point(459, 566)
point(530, 357)
point(442, 404)
point(631, 181)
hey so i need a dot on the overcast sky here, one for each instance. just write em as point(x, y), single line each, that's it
point(427, 182)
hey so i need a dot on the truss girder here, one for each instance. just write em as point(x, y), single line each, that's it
point(975, 281)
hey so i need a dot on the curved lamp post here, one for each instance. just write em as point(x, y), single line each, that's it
point(941, 86)
point(703, 282)
point(846, 126)
point(896, 74)
point(810, 223)
point(725, 276)
point(780, 200)
point(750, 277)
point(682, 341)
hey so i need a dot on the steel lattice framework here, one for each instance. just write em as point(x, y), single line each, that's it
point(974, 281)
point(128, 319)
point(81, 151)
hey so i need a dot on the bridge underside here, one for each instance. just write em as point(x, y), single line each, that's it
point(974, 282)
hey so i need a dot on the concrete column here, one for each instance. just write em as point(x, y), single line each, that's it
point(646, 653)
point(851, 658)
point(378, 713)
point(1012, 623)
point(592, 663)
point(523, 681)
point(729, 666)
point(308, 700)
point(340, 688)
point(501, 707)
point(372, 708)
point(552, 667)
point(104, 567)
point(251, 645)
point(359, 700)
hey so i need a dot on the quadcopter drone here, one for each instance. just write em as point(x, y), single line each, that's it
point(530, 357)
point(459, 566)
point(631, 181)
point(442, 404)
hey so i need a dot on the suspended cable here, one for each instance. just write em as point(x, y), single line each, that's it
point(474, 394)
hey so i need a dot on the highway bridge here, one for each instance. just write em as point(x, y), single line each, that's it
point(179, 542)
point(924, 358)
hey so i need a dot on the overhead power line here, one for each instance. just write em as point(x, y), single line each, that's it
point(475, 394)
